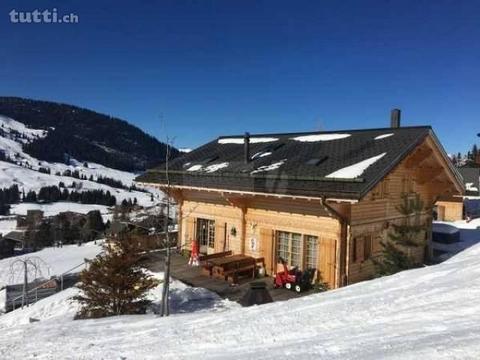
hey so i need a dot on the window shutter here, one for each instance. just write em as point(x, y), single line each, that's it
point(359, 249)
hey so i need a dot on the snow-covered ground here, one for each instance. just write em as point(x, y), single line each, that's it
point(57, 260)
point(7, 224)
point(469, 236)
point(56, 208)
point(60, 307)
point(430, 313)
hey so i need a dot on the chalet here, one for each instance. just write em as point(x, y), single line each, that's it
point(318, 199)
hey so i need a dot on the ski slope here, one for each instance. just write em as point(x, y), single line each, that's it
point(428, 313)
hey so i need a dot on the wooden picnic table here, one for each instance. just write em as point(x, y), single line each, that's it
point(228, 260)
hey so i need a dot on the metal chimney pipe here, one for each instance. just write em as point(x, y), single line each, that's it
point(246, 147)
point(395, 118)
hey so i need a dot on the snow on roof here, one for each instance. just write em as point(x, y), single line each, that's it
point(261, 154)
point(355, 170)
point(195, 167)
point(253, 140)
point(215, 167)
point(379, 137)
point(270, 167)
point(320, 137)
point(469, 186)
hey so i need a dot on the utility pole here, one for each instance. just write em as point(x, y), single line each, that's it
point(165, 307)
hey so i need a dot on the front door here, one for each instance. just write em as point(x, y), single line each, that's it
point(206, 235)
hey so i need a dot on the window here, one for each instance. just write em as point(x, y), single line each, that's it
point(358, 249)
point(384, 188)
point(283, 246)
point(206, 233)
point(316, 161)
point(311, 246)
point(297, 250)
point(362, 248)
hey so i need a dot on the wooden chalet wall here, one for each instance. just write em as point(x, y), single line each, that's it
point(256, 220)
point(421, 173)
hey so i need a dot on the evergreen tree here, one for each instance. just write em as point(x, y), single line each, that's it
point(115, 283)
point(396, 253)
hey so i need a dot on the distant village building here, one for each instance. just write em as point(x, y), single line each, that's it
point(323, 200)
point(32, 220)
point(11, 241)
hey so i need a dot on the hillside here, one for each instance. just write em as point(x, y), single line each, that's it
point(429, 313)
point(69, 131)
point(32, 174)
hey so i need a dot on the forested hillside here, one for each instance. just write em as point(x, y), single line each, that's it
point(84, 135)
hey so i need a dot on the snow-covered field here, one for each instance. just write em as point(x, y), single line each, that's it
point(55, 208)
point(7, 224)
point(429, 313)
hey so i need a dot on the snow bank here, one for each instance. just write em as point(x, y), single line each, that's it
point(320, 137)
point(355, 170)
point(431, 312)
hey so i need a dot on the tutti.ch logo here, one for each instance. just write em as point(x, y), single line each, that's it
point(42, 17)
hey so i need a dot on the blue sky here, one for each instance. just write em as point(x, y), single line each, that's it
point(224, 67)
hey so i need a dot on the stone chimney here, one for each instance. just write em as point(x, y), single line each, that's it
point(395, 119)
point(246, 147)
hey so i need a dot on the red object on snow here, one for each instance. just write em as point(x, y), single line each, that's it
point(194, 255)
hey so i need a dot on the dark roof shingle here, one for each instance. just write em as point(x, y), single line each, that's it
point(292, 164)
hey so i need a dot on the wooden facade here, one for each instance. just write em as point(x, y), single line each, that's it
point(450, 209)
point(338, 237)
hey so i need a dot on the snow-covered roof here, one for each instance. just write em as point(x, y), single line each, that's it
point(340, 164)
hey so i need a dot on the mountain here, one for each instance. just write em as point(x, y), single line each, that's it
point(87, 184)
point(65, 131)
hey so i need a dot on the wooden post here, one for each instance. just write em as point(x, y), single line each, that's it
point(244, 230)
